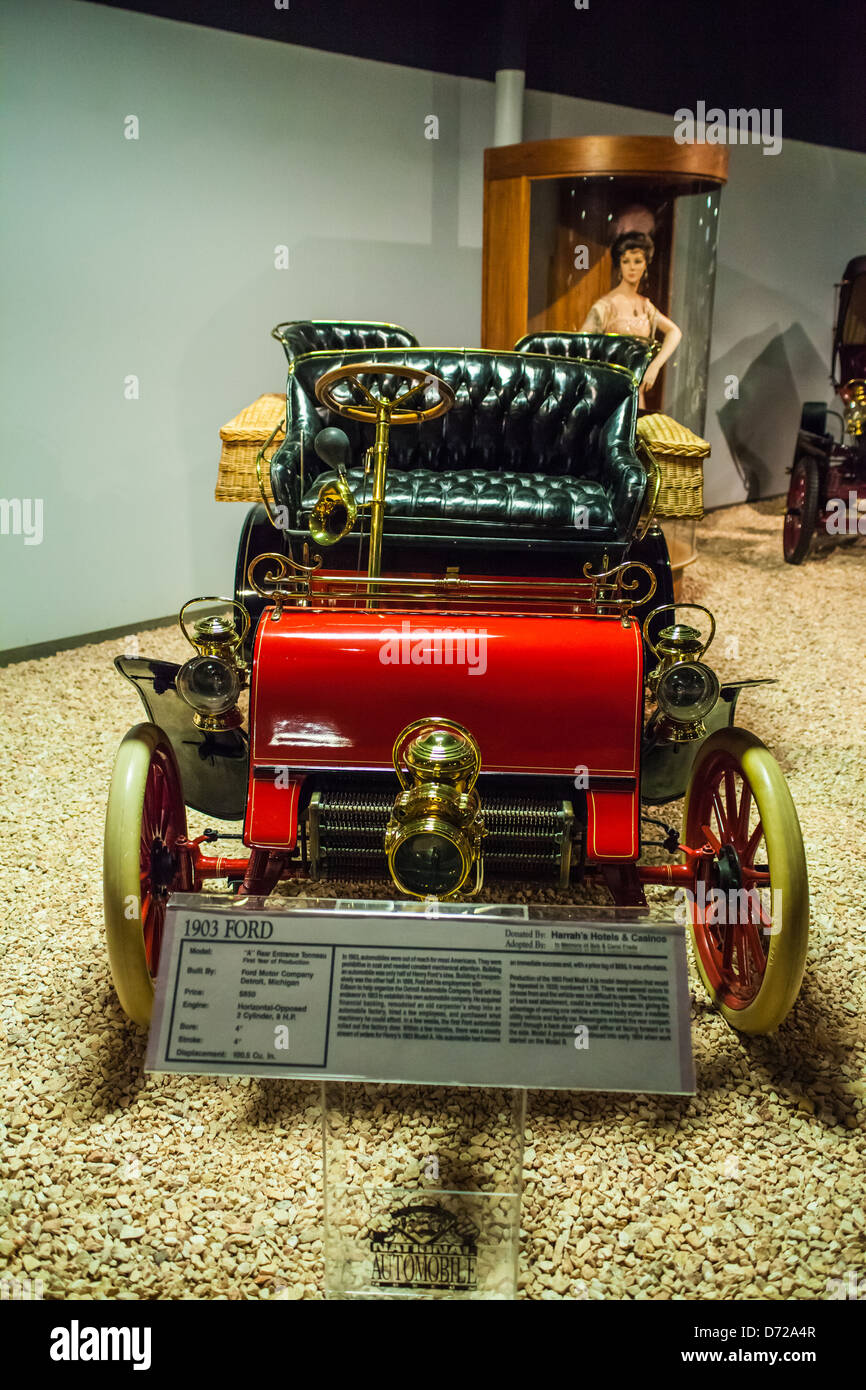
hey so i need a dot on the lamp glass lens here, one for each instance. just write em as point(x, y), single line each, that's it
point(428, 863)
point(209, 684)
point(688, 691)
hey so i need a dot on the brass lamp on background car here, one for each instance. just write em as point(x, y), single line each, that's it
point(211, 682)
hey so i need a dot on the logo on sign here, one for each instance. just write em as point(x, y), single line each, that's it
point(425, 1247)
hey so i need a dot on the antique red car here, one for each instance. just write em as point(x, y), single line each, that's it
point(489, 679)
point(827, 495)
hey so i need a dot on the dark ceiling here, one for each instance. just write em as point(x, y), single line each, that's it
point(807, 57)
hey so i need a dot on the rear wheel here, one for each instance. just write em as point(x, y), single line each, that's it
point(143, 862)
point(749, 906)
point(802, 513)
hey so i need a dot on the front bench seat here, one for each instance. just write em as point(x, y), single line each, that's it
point(471, 502)
point(534, 448)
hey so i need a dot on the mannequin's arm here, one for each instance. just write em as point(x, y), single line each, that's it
point(670, 342)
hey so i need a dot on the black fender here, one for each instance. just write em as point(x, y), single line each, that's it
point(819, 446)
point(258, 537)
point(214, 768)
point(652, 550)
point(666, 767)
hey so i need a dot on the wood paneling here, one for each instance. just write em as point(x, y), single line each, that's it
point(505, 267)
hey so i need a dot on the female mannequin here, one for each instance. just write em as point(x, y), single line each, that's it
point(625, 310)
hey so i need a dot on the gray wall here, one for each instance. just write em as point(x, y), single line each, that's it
point(155, 258)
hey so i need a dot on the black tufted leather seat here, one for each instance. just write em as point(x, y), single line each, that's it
point(635, 354)
point(336, 335)
point(534, 449)
point(485, 500)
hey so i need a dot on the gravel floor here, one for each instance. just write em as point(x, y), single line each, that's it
point(119, 1185)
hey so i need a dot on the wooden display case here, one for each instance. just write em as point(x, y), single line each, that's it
point(551, 211)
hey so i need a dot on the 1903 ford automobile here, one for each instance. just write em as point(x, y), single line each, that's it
point(827, 493)
point(480, 683)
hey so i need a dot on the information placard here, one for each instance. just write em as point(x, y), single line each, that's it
point(450, 994)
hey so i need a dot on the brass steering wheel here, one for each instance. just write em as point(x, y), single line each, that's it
point(377, 406)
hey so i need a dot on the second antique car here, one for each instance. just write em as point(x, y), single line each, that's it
point(827, 493)
point(489, 678)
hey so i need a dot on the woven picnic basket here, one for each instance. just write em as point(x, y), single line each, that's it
point(680, 454)
point(241, 439)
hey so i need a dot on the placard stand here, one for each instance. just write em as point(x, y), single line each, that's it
point(422, 1190)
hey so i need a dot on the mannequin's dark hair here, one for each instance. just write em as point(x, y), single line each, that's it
point(631, 241)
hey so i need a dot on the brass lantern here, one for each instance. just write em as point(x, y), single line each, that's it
point(433, 839)
point(685, 689)
point(211, 681)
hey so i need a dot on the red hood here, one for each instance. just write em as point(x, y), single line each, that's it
point(333, 689)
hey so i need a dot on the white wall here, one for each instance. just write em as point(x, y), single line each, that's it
point(156, 258)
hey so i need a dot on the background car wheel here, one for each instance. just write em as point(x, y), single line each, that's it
point(802, 512)
point(750, 945)
point(142, 863)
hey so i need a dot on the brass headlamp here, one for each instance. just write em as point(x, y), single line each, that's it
point(211, 682)
point(853, 396)
point(684, 687)
point(433, 839)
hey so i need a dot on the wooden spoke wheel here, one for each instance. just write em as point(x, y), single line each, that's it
point(749, 899)
point(802, 514)
point(143, 862)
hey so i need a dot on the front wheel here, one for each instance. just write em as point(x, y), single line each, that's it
point(749, 908)
point(143, 862)
point(802, 513)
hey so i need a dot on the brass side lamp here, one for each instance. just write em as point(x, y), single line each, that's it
point(211, 681)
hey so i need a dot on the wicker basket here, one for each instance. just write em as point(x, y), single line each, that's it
point(680, 454)
point(242, 438)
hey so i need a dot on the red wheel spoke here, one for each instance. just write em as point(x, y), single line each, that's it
point(742, 833)
point(727, 949)
point(748, 854)
point(744, 969)
point(730, 798)
point(759, 877)
point(724, 828)
point(714, 844)
point(752, 941)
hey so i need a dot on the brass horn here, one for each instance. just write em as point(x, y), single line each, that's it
point(334, 513)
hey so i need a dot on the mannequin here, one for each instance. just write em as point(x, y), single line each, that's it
point(625, 310)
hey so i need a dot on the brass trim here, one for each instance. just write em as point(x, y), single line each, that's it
point(233, 643)
point(315, 851)
point(485, 352)
point(566, 845)
point(260, 458)
point(604, 595)
point(437, 721)
point(654, 480)
point(671, 608)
